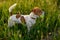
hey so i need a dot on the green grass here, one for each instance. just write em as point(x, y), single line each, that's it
point(50, 22)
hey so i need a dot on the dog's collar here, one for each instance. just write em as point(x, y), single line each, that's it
point(33, 16)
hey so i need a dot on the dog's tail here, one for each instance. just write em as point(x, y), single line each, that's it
point(12, 7)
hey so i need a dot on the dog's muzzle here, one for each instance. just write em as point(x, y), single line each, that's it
point(42, 15)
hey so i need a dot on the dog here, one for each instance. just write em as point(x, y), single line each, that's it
point(29, 20)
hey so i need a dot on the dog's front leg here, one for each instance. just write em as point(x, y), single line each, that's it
point(28, 28)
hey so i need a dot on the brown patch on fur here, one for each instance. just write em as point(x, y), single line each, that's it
point(37, 11)
point(10, 13)
point(23, 19)
point(18, 15)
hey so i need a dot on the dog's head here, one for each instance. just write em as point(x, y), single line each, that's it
point(37, 11)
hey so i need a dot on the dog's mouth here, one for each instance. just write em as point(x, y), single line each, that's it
point(42, 14)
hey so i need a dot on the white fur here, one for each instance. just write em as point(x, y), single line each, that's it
point(29, 21)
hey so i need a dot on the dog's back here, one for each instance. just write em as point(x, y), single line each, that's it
point(12, 20)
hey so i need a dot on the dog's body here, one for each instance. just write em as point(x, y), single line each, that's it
point(29, 19)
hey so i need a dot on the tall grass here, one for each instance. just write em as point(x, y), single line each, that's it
point(49, 24)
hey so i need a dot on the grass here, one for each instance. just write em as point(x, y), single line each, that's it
point(50, 22)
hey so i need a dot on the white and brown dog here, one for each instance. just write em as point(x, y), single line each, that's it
point(28, 19)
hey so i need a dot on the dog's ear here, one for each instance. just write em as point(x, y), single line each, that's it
point(18, 15)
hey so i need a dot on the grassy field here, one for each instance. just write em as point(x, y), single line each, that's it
point(45, 28)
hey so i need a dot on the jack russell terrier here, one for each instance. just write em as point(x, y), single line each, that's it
point(28, 19)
